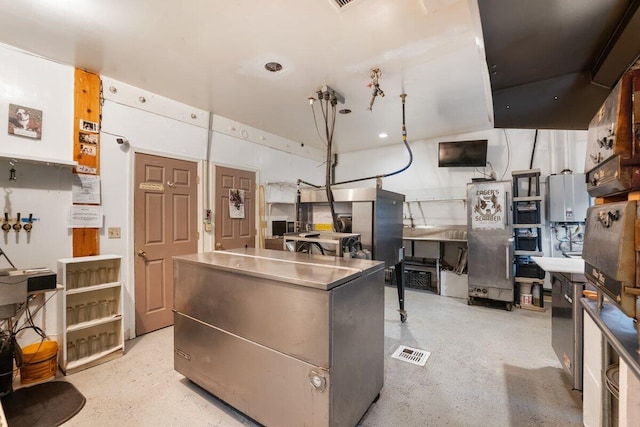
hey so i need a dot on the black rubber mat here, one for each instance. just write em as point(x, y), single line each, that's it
point(42, 405)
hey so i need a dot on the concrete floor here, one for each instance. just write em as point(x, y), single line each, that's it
point(487, 367)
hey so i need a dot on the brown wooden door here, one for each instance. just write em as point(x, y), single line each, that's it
point(234, 232)
point(165, 225)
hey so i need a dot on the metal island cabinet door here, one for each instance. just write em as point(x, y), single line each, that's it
point(289, 339)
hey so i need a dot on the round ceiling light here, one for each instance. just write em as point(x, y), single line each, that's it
point(383, 135)
point(273, 67)
point(344, 111)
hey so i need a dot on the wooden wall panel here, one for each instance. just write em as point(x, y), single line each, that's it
point(86, 148)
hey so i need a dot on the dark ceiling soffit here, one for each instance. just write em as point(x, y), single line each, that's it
point(621, 51)
point(534, 105)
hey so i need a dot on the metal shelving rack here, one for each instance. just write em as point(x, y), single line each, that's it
point(527, 234)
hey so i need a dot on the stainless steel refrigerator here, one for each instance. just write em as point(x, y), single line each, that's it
point(490, 241)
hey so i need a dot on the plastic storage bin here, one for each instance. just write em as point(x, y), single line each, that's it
point(418, 280)
point(528, 268)
point(526, 215)
point(526, 243)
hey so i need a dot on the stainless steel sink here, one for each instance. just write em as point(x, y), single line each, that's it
point(456, 234)
point(436, 233)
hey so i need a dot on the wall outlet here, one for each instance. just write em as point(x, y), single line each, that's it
point(114, 232)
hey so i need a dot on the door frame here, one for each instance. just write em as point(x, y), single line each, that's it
point(212, 175)
point(128, 272)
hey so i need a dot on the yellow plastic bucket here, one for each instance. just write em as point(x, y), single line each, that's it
point(40, 361)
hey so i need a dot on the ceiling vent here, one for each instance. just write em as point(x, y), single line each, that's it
point(341, 4)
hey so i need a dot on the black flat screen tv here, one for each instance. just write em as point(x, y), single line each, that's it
point(462, 153)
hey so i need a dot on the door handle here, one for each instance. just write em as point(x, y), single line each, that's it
point(508, 276)
point(142, 253)
point(507, 257)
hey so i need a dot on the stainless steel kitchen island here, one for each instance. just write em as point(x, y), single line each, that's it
point(289, 339)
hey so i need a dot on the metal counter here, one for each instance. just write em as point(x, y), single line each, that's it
point(447, 233)
point(289, 339)
point(619, 331)
point(567, 329)
point(425, 250)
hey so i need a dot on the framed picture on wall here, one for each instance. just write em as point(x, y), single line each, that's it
point(25, 121)
point(88, 138)
point(88, 149)
point(88, 126)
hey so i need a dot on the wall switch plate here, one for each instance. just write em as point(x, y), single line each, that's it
point(114, 232)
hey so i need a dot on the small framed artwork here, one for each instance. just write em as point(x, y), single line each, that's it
point(86, 169)
point(88, 138)
point(25, 121)
point(88, 149)
point(88, 126)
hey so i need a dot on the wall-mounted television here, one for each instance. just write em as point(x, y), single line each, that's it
point(462, 153)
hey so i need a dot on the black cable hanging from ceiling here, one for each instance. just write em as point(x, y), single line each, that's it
point(329, 99)
point(328, 174)
point(533, 151)
point(406, 144)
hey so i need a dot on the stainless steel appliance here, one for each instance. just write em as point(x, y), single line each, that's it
point(567, 323)
point(375, 214)
point(289, 339)
point(567, 282)
point(567, 202)
point(613, 142)
point(323, 243)
point(609, 252)
point(490, 241)
point(568, 198)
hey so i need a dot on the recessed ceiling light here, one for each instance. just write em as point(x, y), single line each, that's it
point(344, 111)
point(274, 67)
point(383, 135)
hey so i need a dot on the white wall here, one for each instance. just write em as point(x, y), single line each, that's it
point(39, 189)
point(32, 82)
point(44, 191)
point(436, 195)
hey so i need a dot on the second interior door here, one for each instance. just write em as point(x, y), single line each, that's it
point(235, 208)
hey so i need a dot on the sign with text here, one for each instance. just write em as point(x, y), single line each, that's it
point(487, 207)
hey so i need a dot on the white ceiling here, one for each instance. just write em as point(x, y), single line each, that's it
point(211, 54)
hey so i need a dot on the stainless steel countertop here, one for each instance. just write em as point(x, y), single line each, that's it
point(316, 271)
point(451, 233)
point(619, 330)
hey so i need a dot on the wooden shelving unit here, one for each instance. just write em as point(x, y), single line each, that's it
point(92, 322)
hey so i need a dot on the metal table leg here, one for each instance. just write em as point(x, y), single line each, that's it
point(399, 271)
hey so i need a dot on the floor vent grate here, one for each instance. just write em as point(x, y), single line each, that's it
point(411, 355)
point(342, 3)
